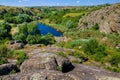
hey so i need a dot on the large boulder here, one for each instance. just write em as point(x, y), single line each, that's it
point(40, 75)
point(38, 63)
point(49, 61)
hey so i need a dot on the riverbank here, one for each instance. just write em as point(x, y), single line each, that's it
point(58, 27)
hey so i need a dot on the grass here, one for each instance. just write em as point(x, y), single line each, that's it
point(1, 20)
point(74, 14)
point(62, 54)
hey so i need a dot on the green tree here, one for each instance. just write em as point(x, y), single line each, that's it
point(5, 30)
point(23, 18)
point(69, 24)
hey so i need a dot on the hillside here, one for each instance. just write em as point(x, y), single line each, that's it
point(108, 19)
point(77, 54)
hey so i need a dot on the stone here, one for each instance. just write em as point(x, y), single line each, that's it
point(118, 46)
point(108, 19)
point(17, 46)
point(48, 61)
point(7, 68)
point(11, 42)
point(38, 63)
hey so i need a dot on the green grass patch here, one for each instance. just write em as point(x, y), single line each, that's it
point(62, 54)
point(74, 14)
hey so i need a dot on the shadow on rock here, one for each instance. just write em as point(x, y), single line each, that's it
point(8, 68)
point(66, 67)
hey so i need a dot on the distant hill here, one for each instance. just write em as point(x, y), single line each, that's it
point(18, 10)
point(108, 19)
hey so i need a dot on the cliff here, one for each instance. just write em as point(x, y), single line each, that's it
point(108, 19)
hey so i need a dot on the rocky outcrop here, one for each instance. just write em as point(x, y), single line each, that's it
point(39, 75)
point(108, 19)
point(16, 45)
point(48, 61)
point(80, 72)
point(47, 65)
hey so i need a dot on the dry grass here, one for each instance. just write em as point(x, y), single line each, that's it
point(13, 30)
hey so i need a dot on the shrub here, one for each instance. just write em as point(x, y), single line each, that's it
point(114, 69)
point(114, 59)
point(59, 68)
point(3, 53)
point(2, 60)
point(5, 30)
point(48, 39)
point(85, 23)
point(69, 24)
point(95, 27)
point(21, 57)
point(96, 51)
point(90, 46)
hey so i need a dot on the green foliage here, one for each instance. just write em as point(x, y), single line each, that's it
point(85, 23)
point(21, 58)
point(114, 69)
point(62, 54)
point(78, 55)
point(16, 54)
point(33, 39)
point(3, 53)
point(26, 29)
point(12, 72)
point(69, 24)
point(19, 37)
point(19, 55)
point(5, 30)
point(17, 19)
point(48, 39)
point(95, 27)
point(23, 18)
point(114, 59)
point(90, 47)
point(76, 61)
point(59, 68)
point(29, 33)
point(93, 48)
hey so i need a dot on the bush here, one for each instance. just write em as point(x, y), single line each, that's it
point(27, 32)
point(114, 69)
point(2, 60)
point(95, 27)
point(114, 59)
point(48, 39)
point(5, 30)
point(59, 68)
point(3, 53)
point(20, 56)
point(33, 39)
point(90, 47)
point(96, 51)
point(69, 24)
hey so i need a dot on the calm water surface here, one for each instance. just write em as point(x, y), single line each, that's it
point(44, 29)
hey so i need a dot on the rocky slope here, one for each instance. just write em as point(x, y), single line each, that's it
point(107, 18)
point(43, 64)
